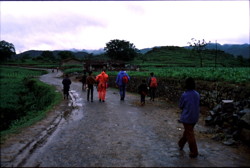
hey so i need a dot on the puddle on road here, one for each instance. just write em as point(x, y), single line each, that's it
point(76, 104)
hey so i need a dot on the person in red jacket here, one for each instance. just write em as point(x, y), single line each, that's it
point(102, 80)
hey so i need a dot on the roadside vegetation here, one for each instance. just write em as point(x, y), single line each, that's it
point(24, 99)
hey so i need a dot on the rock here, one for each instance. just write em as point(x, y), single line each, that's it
point(228, 106)
point(218, 137)
point(244, 111)
point(217, 108)
point(245, 135)
point(245, 121)
point(236, 134)
point(209, 120)
point(229, 142)
point(212, 113)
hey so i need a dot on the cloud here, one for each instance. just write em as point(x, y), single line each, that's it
point(90, 25)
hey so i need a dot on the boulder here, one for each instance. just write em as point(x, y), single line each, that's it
point(229, 142)
point(217, 108)
point(245, 121)
point(245, 135)
point(209, 120)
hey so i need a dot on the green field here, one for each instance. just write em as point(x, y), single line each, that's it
point(232, 75)
point(24, 99)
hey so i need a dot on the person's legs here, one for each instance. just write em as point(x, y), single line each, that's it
point(103, 95)
point(190, 138)
point(142, 99)
point(91, 88)
point(153, 93)
point(183, 140)
point(122, 92)
point(88, 94)
point(100, 95)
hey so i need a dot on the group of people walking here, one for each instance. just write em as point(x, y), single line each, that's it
point(121, 81)
point(189, 101)
point(89, 81)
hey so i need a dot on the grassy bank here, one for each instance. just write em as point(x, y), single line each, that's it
point(24, 99)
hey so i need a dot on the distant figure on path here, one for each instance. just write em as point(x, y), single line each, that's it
point(90, 82)
point(122, 80)
point(66, 85)
point(152, 83)
point(102, 80)
point(190, 105)
point(143, 91)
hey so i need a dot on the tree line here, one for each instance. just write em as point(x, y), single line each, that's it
point(115, 50)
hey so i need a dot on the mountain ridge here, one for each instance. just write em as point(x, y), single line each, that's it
point(234, 49)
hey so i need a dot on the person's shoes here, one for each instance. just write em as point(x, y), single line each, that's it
point(103, 101)
point(191, 155)
point(91, 100)
point(180, 147)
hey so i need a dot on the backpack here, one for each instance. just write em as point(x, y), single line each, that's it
point(125, 79)
point(153, 82)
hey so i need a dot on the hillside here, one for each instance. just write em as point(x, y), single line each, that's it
point(234, 49)
point(172, 56)
point(37, 53)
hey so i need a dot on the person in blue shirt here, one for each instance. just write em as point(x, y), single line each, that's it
point(122, 81)
point(190, 106)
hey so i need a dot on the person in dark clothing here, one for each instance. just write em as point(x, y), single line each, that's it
point(152, 83)
point(83, 80)
point(90, 82)
point(143, 91)
point(189, 103)
point(66, 85)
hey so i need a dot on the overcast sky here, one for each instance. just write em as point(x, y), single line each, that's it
point(43, 25)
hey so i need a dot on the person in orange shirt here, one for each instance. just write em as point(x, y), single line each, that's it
point(102, 80)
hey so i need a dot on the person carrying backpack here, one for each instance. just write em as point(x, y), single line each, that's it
point(122, 80)
point(152, 83)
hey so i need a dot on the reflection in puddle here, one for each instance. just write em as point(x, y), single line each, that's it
point(76, 113)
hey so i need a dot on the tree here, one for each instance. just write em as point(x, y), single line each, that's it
point(7, 50)
point(198, 46)
point(120, 50)
point(48, 55)
point(66, 54)
point(240, 59)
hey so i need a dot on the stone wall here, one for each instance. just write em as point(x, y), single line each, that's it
point(212, 93)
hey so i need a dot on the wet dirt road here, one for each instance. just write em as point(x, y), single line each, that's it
point(122, 133)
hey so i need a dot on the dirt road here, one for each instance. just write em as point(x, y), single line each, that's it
point(114, 133)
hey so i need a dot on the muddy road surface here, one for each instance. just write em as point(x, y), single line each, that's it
point(78, 133)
